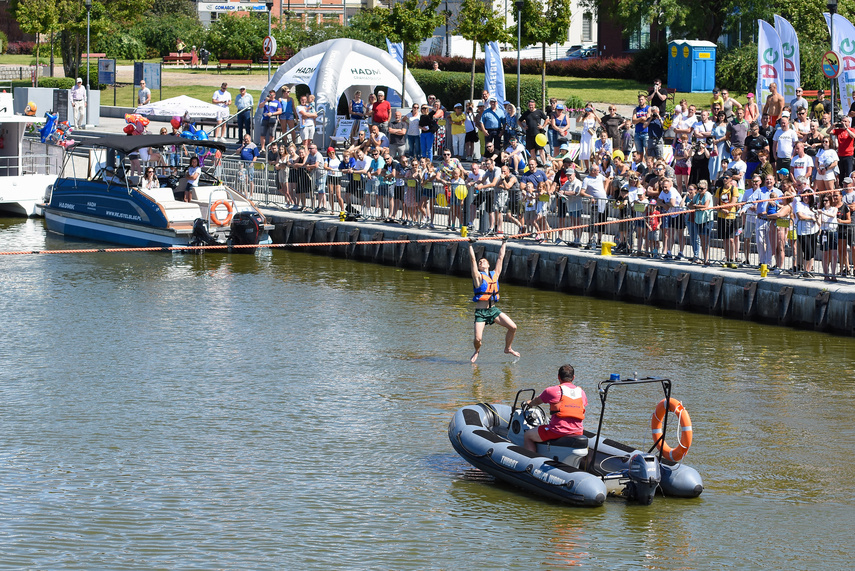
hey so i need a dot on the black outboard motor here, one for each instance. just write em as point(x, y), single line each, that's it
point(246, 228)
point(644, 477)
point(201, 236)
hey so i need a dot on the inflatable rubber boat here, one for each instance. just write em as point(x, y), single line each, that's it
point(579, 470)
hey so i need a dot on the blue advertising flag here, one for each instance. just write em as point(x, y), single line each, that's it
point(396, 50)
point(494, 73)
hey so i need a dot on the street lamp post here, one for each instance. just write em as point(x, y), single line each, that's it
point(269, 30)
point(832, 8)
point(519, 5)
point(88, 4)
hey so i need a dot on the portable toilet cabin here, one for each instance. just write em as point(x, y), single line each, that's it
point(691, 65)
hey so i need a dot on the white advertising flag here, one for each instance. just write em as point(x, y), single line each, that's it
point(790, 47)
point(770, 61)
point(843, 42)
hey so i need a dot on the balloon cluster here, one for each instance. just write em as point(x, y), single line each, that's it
point(54, 131)
point(194, 134)
point(136, 124)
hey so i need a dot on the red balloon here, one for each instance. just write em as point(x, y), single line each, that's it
point(128, 129)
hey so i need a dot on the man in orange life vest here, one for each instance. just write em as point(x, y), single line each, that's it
point(567, 404)
point(486, 284)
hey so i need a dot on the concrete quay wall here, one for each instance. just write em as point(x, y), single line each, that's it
point(741, 294)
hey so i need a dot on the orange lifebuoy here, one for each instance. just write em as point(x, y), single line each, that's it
point(216, 219)
point(684, 440)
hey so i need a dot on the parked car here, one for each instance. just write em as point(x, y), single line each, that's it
point(580, 53)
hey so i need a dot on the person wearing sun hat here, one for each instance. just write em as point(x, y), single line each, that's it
point(458, 131)
point(78, 104)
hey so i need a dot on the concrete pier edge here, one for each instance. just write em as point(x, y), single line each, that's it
point(739, 294)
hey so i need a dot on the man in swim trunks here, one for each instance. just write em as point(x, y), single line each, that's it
point(567, 404)
point(774, 104)
point(486, 284)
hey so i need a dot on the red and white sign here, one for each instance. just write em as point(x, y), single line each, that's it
point(269, 46)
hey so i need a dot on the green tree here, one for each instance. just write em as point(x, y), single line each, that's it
point(106, 17)
point(37, 17)
point(237, 36)
point(480, 24)
point(370, 25)
point(173, 8)
point(412, 22)
point(706, 20)
point(545, 23)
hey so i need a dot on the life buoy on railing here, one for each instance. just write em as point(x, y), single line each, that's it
point(684, 439)
point(215, 219)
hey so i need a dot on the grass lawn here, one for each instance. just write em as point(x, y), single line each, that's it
point(617, 91)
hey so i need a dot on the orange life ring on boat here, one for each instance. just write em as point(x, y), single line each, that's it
point(684, 440)
point(216, 219)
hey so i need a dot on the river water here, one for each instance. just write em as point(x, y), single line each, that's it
point(289, 411)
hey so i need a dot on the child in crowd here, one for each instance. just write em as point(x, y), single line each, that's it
point(542, 210)
point(530, 197)
point(652, 221)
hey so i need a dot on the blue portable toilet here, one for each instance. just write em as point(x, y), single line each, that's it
point(691, 65)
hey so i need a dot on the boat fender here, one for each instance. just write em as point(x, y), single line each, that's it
point(216, 219)
point(684, 439)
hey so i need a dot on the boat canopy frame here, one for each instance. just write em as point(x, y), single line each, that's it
point(603, 392)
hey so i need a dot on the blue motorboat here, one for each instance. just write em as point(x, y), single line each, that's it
point(105, 202)
point(579, 470)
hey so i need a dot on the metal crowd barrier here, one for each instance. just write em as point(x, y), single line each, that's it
point(581, 222)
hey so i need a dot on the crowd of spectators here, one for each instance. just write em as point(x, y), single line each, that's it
point(760, 181)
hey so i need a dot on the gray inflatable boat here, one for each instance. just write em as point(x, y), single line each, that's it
point(578, 470)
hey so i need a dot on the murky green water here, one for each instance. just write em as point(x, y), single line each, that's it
point(289, 411)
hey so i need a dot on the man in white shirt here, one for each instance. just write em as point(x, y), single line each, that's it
point(670, 198)
point(221, 99)
point(766, 234)
point(307, 121)
point(594, 188)
point(144, 94)
point(78, 104)
point(686, 122)
point(801, 164)
point(703, 128)
point(783, 143)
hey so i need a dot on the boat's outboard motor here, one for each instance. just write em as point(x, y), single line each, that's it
point(201, 236)
point(245, 230)
point(644, 477)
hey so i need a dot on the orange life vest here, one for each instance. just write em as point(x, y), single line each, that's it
point(572, 404)
point(489, 288)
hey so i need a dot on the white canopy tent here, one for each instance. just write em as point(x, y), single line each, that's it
point(340, 67)
point(176, 106)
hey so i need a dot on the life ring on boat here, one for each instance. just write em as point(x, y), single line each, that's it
point(684, 440)
point(215, 219)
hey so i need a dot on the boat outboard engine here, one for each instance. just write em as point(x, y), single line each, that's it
point(644, 477)
point(201, 236)
point(246, 230)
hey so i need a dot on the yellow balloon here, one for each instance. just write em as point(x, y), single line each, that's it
point(460, 191)
point(540, 139)
point(440, 200)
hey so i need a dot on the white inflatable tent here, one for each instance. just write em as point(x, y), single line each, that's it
point(340, 67)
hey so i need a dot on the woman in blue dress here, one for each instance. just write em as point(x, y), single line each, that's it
point(719, 145)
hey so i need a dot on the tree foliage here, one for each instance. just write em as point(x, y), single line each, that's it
point(480, 24)
point(412, 22)
point(545, 22)
point(237, 36)
point(705, 20)
point(37, 17)
point(370, 25)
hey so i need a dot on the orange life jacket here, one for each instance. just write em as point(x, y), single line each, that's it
point(572, 404)
point(489, 288)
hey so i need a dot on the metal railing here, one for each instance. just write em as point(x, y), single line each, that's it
point(633, 230)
